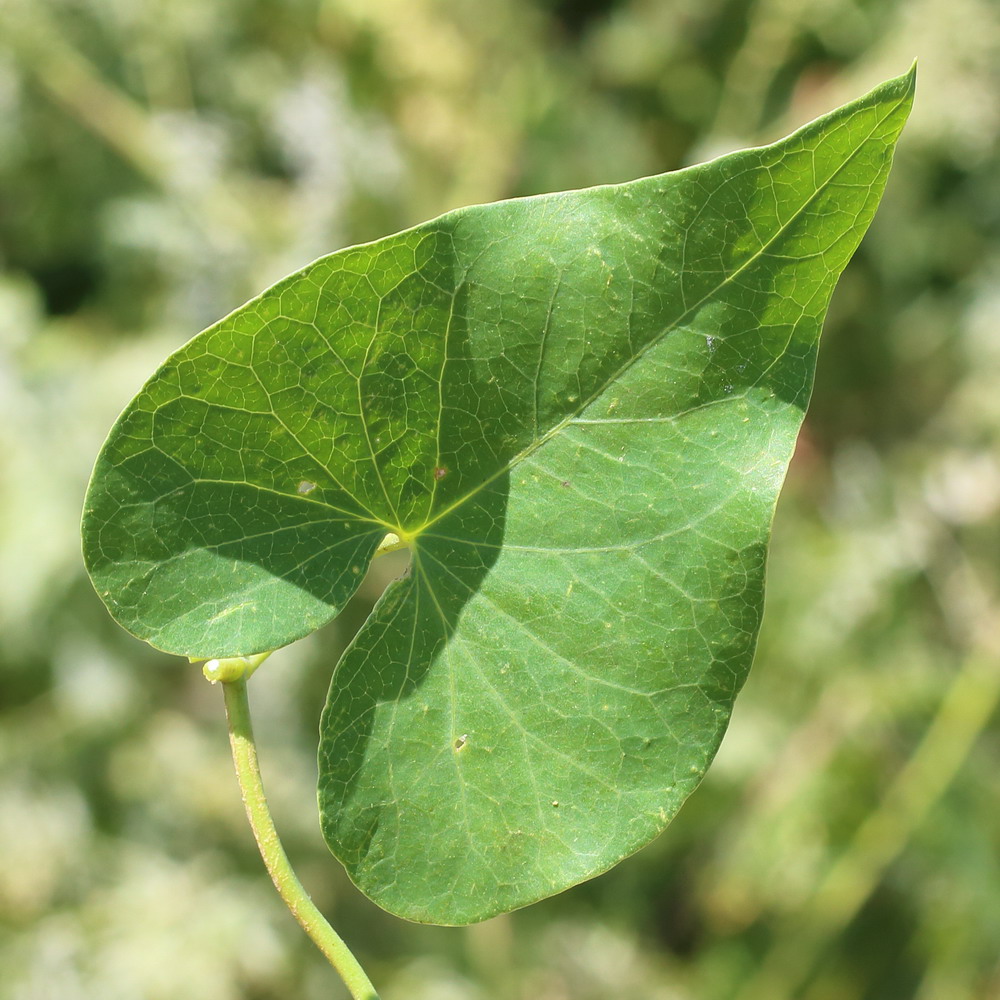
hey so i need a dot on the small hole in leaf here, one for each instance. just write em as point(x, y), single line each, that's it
point(440, 472)
point(305, 487)
point(555, 803)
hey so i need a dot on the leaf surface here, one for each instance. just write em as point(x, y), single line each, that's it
point(577, 410)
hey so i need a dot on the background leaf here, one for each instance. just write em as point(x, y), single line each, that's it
point(578, 410)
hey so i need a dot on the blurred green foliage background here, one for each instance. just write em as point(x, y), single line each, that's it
point(163, 160)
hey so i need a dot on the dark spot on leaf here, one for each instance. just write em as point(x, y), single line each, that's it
point(461, 741)
point(440, 472)
point(565, 482)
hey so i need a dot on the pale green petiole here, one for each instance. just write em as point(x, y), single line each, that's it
point(291, 890)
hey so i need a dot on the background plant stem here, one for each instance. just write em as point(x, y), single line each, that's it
point(285, 880)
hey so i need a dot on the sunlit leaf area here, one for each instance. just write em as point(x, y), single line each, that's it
point(161, 163)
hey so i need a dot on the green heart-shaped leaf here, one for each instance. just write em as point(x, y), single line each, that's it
point(577, 410)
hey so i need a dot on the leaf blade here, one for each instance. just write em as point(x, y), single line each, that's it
point(538, 698)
